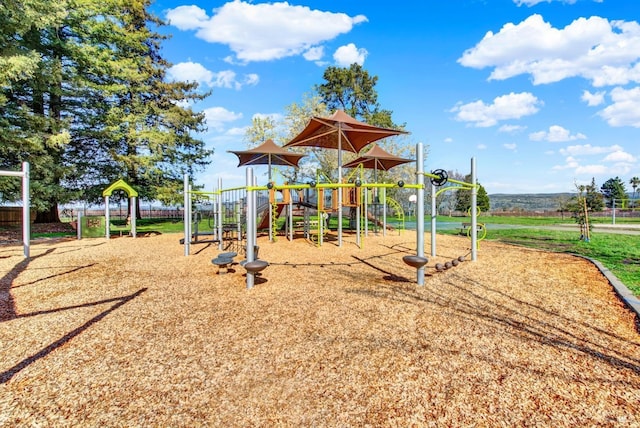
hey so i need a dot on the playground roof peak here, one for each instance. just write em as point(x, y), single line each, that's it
point(267, 153)
point(120, 185)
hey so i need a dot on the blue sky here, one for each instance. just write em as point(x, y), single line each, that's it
point(545, 94)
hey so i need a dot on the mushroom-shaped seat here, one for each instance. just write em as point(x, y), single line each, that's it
point(255, 266)
point(415, 261)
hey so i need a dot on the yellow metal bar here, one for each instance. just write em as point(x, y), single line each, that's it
point(444, 189)
point(379, 185)
point(451, 180)
point(201, 192)
point(357, 169)
point(462, 183)
point(238, 188)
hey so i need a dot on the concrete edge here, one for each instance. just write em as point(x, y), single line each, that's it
point(627, 297)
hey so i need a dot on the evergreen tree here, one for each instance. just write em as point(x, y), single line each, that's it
point(96, 107)
point(353, 90)
point(463, 198)
point(614, 191)
point(594, 199)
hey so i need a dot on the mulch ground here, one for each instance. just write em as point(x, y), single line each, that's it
point(130, 332)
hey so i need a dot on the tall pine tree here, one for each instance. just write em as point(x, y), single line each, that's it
point(87, 102)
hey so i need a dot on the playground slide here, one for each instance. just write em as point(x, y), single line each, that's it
point(371, 217)
point(264, 216)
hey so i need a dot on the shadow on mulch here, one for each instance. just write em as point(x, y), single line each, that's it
point(120, 301)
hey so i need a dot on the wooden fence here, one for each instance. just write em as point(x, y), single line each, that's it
point(13, 215)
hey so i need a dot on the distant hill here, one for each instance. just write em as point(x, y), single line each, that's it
point(528, 201)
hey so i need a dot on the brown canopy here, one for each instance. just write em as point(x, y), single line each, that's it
point(267, 153)
point(378, 159)
point(340, 131)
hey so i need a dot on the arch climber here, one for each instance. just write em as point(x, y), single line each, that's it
point(131, 194)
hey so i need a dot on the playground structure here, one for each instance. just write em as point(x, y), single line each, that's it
point(131, 194)
point(242, 211)
point(305, 208)
point(26, 205)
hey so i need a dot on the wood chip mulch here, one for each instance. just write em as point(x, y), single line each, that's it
point(130, 332)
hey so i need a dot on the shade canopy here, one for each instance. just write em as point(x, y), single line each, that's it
point(267, 153)
point(340, 131)
point(378, 159)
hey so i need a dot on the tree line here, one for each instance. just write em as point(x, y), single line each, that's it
point(611, 194)
point(85, 99)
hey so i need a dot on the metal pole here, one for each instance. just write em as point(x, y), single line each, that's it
point(187, 215)
point(474, 212)
point(366, 212)
point(107, 218)
point(220, 229)
point(384, 211)
point(290, 217)
point(614, 212)
point(79, 225)
point(420, 210)
point(133, 216)
point(26, 211)
point(339, 182)
point(358, 220)
point(250, 226)
point(434, 217)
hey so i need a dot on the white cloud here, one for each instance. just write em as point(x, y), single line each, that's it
point(620, 156)
point(314, 54)
point(275, 117)
point(588, 149)
point(570, 162)
point(448, 140)
point(510, 146)
point(625, 110)
point(195, 72)
point(481, 146)
point(237, 131)
point(349, 54)
point(190, 72)
point(556, 134)
point(224, 79)
point(251, 79)
point(602, 51)
point(218, 117)
point(535, 2)
point(616, 161)
point(187, 17)
point(505, 107)
point(511, 129)
point(593, 100)
point(592, 170)
point(264, 31)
